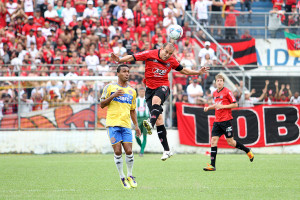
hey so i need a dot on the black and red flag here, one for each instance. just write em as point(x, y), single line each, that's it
point(242, 50)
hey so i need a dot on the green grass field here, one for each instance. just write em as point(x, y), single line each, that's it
point(76, 176)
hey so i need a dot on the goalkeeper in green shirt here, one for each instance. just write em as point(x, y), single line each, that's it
point(142, 114)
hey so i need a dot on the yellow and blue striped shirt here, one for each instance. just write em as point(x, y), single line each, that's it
point(118, 112)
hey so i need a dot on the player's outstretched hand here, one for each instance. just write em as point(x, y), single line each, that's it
point(118, 93)
point(138, 132)
point(203, 70)
point(205, 109)
point(114, 57)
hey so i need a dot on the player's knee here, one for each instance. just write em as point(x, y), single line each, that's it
point(128, 152)
point(214, 142)
point(118, 152)
point(160, 121)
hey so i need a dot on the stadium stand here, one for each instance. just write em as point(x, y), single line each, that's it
point(72, 38)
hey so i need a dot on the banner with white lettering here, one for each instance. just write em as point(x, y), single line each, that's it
point(260, 126)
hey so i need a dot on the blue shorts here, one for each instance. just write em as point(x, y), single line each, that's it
point(119, 134)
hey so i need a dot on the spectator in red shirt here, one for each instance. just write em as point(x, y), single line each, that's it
point(138, 14)
point(278, 3)
point(285, 89)
point(80, 5)
point(74, 21)
point(185, 28)
point(150, 20)
point(105, 22)
point(143, 40)
point(3, 13)
point(154, 39)
point(230, 21)
point(105, 51)
point(189, 40)
point(38, 20)
point(246, 35)
point(123, 22)
point(160, 13)
point(142, 28)
point(27, 27)
point(131, 28)
point(10, 33)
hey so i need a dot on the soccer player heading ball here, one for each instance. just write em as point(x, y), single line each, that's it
point(158, 65)
point(224, 102)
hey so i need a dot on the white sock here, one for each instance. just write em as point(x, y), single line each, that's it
point(129, 162)
point(119, 164)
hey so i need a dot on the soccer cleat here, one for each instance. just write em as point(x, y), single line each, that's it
point(209, 168)
point(250, 155)
point(166, 155)
point(131, 181)
point(125, 183)
point(148, 126)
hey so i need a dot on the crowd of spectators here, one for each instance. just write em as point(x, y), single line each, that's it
point(70, 38)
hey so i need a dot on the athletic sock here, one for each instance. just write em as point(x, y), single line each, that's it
point(213, 155)
point(241, 147)
point(162, 135)
point(155, 112)
point(119, 164)
point(129, 162)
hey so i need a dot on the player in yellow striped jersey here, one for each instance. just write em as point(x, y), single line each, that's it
point(121, 101)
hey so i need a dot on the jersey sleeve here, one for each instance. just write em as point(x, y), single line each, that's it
point(141, 56)
point(175, 63)
point(133, 103)
point(106, 92)
point(231, 97)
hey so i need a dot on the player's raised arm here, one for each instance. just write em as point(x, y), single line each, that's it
point(127, 58)
point(187, 71)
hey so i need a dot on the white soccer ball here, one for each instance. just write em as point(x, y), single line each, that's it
point(175, 32)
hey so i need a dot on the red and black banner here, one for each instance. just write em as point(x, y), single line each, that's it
point(260, 126)
point(242, 50)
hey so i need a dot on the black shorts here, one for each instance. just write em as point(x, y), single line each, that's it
point(220, 128)
point(162, 92)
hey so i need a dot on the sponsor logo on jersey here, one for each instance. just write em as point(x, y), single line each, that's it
point(159, 72)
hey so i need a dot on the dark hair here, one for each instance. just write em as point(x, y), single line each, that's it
point(120, 66)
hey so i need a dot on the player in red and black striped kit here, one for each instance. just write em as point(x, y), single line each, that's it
point(158, 65)
point(224, 102)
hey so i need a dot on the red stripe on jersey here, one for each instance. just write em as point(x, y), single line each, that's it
point(224, 97)
point(156, 69)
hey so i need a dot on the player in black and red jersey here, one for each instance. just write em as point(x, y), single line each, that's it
point(224, 102)
point(158, 65)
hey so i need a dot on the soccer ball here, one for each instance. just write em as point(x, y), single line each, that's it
point(175, 32)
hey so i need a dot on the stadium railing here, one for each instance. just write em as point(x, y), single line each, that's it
point(258, 26)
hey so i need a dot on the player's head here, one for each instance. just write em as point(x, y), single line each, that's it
point(123, 72)
point(220, 81)
point(166, 51)
point(141, 92)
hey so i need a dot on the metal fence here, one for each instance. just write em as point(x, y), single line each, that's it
point(64, 103)
point(258, 24)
